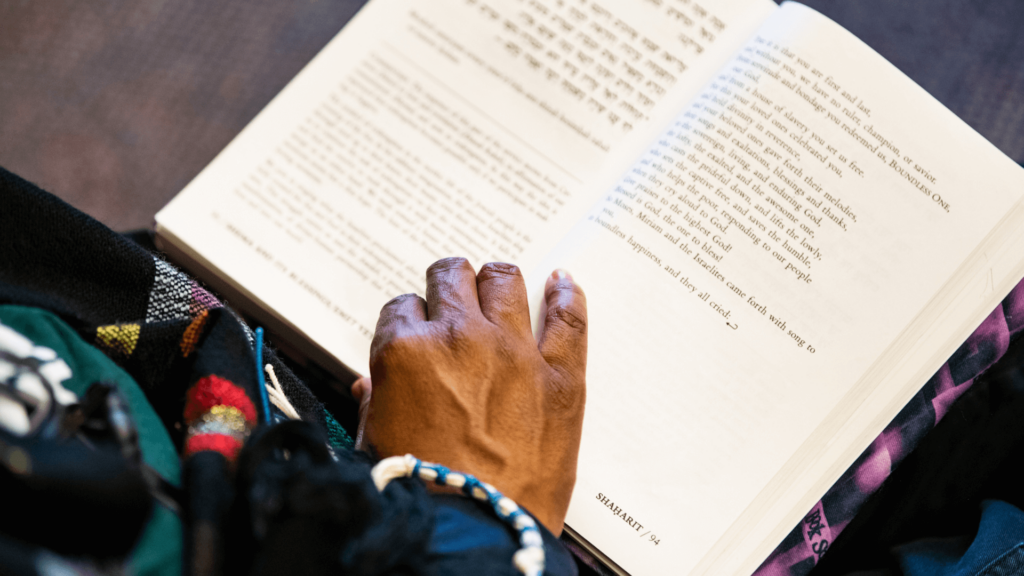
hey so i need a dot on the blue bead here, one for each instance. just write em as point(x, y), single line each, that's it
point(493, 496)
point(470, 484)
point(442, 475)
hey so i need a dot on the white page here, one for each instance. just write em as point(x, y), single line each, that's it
point(454, 127)
point(696, 404)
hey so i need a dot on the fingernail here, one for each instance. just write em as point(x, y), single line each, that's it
point(560, 274)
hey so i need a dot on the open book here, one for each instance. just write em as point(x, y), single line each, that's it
point(780, 235)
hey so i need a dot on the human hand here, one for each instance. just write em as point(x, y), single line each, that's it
point(458, 379)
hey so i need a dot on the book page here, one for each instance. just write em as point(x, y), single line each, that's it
point(479, 128)
point(757, 277)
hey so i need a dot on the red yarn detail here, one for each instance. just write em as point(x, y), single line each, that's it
point(222, 443)
point(213, 390)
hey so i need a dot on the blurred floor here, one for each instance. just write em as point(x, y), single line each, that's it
point(116, 105)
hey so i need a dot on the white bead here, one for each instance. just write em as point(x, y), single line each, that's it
point(531, 538)
point(524, 521)
point(507, 506)
point(529, 560)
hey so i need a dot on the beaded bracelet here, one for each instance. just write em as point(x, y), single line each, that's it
point(529, 559)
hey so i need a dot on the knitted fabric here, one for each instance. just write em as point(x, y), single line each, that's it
point(219, 417)
point(336, 435)
point(211, 391)
point(228, 446)
point(285, 505)
point(190, 338)
point(158, 324)
point(157, 551)
point(165, 330)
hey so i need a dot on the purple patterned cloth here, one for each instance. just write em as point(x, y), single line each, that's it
point(807, 542)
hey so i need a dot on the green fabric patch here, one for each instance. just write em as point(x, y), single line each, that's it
point(159, 549)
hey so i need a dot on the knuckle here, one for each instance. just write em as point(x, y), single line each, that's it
point(397, 339)
point(567, 394)
point(498, 271)
point(398, 313)
point(384, 345)
point(569, 317)
point(448, 264)
point(457, 336)
point(508, 351)
point(399, 299)
point(563, 287)
point(466, 340)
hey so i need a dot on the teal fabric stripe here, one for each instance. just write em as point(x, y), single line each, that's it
point(159, 548)
point(337, 436)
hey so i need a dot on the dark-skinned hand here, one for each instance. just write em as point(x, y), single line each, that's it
point(458, 379)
